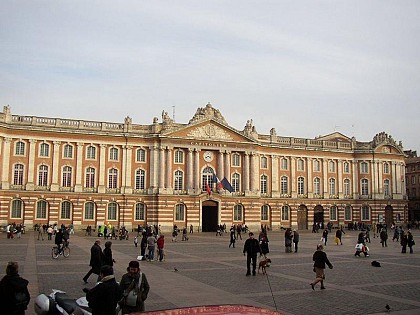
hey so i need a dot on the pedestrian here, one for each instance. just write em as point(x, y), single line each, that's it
point(160, 245)
point(288, 237)
point(19, 231)
point(410, 241)
point(107, 258)
point(136, 241)
point(14, 294)
point(325, 236)
point(296, 239)
point(384, 237)
point(264, 245)
point(403, 242)
point(9, 230)
point(320, 259)
point(191, 228)
point(174, 235)
point(96, 260)
point(135, 289)
point(40, 232)
point(338, 236)
point(251, 249)
point(143, 246)
point(184, 234)
point(232, 237)
point(104, 296)
point(50, 231)
point(151, 244)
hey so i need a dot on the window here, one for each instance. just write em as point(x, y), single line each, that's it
point(65, 210)
point(346, 167)
point(301, 165)
point(67, 176)
point(237, 212)
point(347, 213)
point(317, 166)
point(333, 213)
point(113, 154)
point(346, 187)
point(265, 210)
point(331, 166)
point(18, 174)
point(179, 179)
point(179, 156)
point(113, 178)
point(284, 164)
point(365, 213)
point(263, 184)
point(284, 185)
point(90, 177)
point(140, 179)
point(301, 185)
point(413, 179)
point(16, 209)
point(332, 186)
point(285, 213)
point(317, 186)
point(41, 209)
point(141, 155)
point(207, 178)
point(413, 193)
point(236, 181)
point(140, 212)
point(89, 210)
point(364, 168)
point(386, 168)
point(91, 153)
point(20, 148)
point(68, 151)
point(112, 211)
point(179, 212)
point(43, 176)
point(236, 159)
point(365, 187)
point(44, 150)
point(264, 162)
point(386, 188)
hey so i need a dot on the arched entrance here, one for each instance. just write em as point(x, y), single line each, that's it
point(302, 217)
point(389, 213)
point(319, 214)
point(209, 216)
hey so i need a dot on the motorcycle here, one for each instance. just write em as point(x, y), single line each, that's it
point(58, 303)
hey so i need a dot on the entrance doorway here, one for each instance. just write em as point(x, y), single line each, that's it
point(319, 214)
point(209, 216)
point(302, 218)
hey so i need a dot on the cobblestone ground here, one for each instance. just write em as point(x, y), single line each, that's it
point(209, 272)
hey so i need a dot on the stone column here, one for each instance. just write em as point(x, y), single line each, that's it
point(340, 179)
point(6, 163)
point(275, 175)
point(197, 182)
point(79, 168)
point(254, 172)
point(154, 166)
point(227, 166)
point(127, 169)
point(220, 165)
point(355, 170)
point(31, 165)
point(168, 178)
point(190, 170)
point(55, 170)
point(380, 177)
point(102, 170)
point(293, 177)
point(310, 180)
point(161, 168)
point(247, 178)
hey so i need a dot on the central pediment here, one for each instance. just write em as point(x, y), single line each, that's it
point(209, 131)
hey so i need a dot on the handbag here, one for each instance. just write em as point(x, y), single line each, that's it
point(131, 298)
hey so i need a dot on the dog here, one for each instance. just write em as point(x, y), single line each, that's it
point(375, 263)
point(263, 265)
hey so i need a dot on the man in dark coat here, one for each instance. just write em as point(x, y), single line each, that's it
point(320, 260)
point(103, 298)
point(14, 294)
point(96, 260)
point(251, 248)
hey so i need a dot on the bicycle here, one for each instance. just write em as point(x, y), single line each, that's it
point(64, 250)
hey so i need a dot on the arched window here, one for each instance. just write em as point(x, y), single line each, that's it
point(365, 213)
point(43, 176)
point(180, 212)
point(263, 184)
point(265, 211)
point(236, 159)
point(113, 154)
point(346, 167)
point(264, 162)
point(347, 187)
point(41, 209)
point(17, 209)
point(44, 149)
point(386, 167)
point(207, 178)
point(333, 213)
point(386, 188)
point(365, 187)
point(301, 185)
point(68, 151)
point(112, 212)
point(236, 182)
point(179, 179)
point(67, 174)
point(91, 152)
point(347, 213)
point(113, 178)
point(238, 213)
point(284, 164)
point(284, 185)
point(18, 174)
point(332, 186)
point(331, 166)
point(65, 212)
point(140, 212)
point(317, 186)
point(179, 156)
point(140, 179)
point(90, 177)
point(364, 168)
point(20, 148)
point(300, 165)
point(317, 166)
point(141, 155)
point(285, 213)
point(89, 210)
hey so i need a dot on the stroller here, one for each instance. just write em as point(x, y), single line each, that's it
point(361, 248)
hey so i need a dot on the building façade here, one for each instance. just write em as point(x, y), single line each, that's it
point(93, 173)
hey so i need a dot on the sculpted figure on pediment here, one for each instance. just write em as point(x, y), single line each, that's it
point(210, 131)
point(207, 112)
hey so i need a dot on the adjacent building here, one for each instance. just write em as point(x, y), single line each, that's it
point(412, 179)
point(201, 173)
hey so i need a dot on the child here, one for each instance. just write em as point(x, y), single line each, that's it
point(135, 241)
point(360, 248)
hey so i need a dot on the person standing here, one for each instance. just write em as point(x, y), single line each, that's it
point(96, 259)
point(135, 288)
point(108, 259)
point(160, 245)
point(325, 236)
point(151, 244)
point(320, 260)
point(384, 237)
point(40, 232)
point(403, 241)
point(14, 294)
point(296, 239)
point(251, 249)
point(339, 235)
point(103, 297)
point(143, 245)
point(410, 241)
point(232, 237)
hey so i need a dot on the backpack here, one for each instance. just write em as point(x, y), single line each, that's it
point(21, 300)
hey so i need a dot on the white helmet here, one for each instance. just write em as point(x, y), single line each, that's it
point(42, 304)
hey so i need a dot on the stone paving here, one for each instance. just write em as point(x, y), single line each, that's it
point(209, 272)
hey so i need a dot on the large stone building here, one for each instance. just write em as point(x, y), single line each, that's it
point(90, 173)
point(412, 179)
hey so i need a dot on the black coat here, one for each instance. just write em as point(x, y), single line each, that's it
point(251, 247)
point(9, 285)
point(320, 259)
point(96, 258)
point(103, 297)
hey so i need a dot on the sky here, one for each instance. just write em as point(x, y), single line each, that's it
point(305, 68)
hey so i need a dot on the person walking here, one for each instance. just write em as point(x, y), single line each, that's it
point(143, 245)
point(160, 245)
point(14, 294)
point(251, 249)
point(320, 260)
point(96, 260)
point(40, 232)
point(135, 288)
point(410, 241)
point(104, 296)
point(403, 241)
point(384, 237)
point(232, 237)
point(338, 236)
point(264, 244)
point(296, 239)
point(325, 236)
point(108, 259)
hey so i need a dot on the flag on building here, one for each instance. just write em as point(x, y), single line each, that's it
point(217, 181)
point(208, 189)
point(226, 185)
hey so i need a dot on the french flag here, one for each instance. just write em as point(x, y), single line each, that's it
point(216, 180)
